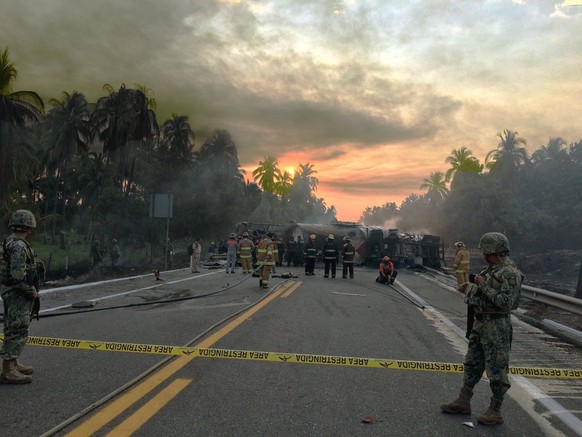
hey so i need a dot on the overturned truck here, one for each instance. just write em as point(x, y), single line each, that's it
point(372, 243)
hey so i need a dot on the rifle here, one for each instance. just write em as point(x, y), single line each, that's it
point(33, 277)
point(470, 320)
point(470, 310)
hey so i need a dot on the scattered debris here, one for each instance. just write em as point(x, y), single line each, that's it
point(157, 274)
point(469, 424)
point(83, 304)
point(368, 419)
point(348, 294)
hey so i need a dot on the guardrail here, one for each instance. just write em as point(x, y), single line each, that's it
point(567, 303)
point(557, 300)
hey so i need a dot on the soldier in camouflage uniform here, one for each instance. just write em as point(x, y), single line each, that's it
point(19, 291)
point(493, 293)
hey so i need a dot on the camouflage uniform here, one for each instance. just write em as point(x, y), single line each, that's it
point(491, 295)
point(490, 338)
point(18, 295)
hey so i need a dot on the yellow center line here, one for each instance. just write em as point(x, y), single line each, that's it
point(137, 419)
point(114, 409)
point(291, 289)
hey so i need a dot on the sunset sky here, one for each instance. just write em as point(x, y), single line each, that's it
point(374, 93)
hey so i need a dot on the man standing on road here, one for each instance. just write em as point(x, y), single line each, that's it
point(461, 264)
point(245, 248)
point(231, 250)
point(20, 276)
point(266, 256)
point(310, 254)
point(348, 253)
point(330, 254)
point(493, 293)
point(196, 253)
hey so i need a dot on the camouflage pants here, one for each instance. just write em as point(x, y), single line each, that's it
point(489, 346)
point(17, 308)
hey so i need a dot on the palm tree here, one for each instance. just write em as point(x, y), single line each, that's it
point(267, 174)
point(462, 161)
point(553, 151)
point(18, 110)
point(305, 173)
point(436, 184)
point(507, 157)
point(220, 152)
point(71, 133)
point(284, 184)
point(178, 138)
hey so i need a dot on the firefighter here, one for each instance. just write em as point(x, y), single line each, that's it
point(461, 264)
point(348, 253)
point(310, 253)
point(330, 255)
point(290, 253)
point(231, 250)
point(387, 272)
point(245, 250)
point(266, 256)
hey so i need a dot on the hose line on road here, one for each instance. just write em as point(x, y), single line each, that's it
point(161, 301)
point(408, 298)
point(155, 367)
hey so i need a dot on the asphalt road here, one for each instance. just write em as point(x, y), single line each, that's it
point(225, 397)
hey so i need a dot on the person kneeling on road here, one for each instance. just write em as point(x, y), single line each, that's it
point(387, 272)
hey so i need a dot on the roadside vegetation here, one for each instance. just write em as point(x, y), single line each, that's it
point(87, 170)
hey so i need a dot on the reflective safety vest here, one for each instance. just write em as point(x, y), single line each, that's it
point(310, 250)
point(330, 250)
point(265, 251)
point(246, 247)
point(348, 253)
point(462, 258)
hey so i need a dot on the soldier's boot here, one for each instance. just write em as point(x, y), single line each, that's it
point(12, 376)
point(25, 370)
point(493, 414)
point(461, 405)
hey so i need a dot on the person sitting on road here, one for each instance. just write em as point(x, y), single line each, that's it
point(387, 272)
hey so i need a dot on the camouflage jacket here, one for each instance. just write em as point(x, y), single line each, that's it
point(22, 265)
point(500, 293)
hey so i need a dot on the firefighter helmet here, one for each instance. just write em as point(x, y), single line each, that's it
point(385, 259)
point(245, 234)
point(459, 244)
point(233, 235)
point(494, 243)
point(22, 220)
point(312, 237)
point(330, 237)
point(346, 238)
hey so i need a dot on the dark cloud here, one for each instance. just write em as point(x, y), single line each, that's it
point(324, 78)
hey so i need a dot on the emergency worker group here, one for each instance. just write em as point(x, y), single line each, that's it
point(490, 295)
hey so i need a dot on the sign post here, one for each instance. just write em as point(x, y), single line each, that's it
point(162, 206)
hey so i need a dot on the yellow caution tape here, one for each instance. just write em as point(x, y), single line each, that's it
point(330, 360)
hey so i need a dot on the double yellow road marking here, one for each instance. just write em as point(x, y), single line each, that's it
point(135, 421)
